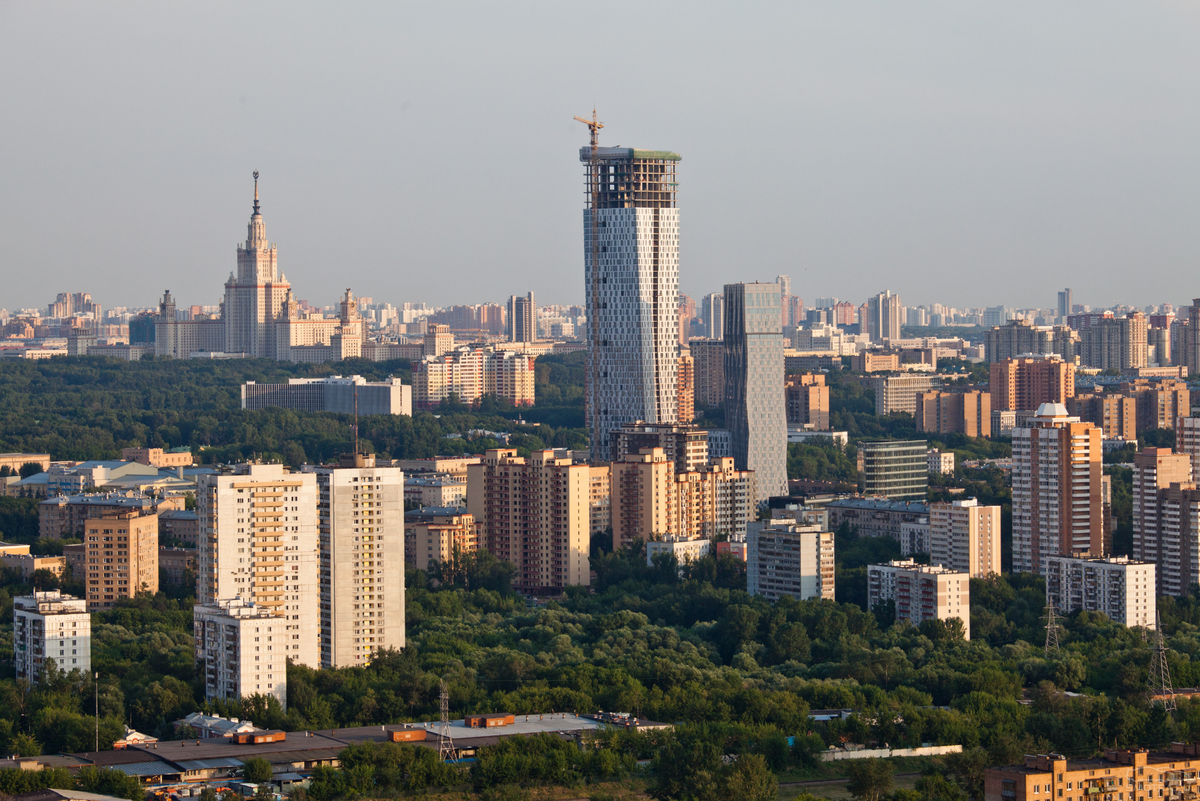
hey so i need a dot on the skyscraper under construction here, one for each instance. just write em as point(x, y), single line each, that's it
point(631, 272)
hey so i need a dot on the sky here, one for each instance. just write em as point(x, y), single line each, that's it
point(968, 154)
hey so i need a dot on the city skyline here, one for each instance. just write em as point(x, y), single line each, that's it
point(906, 152)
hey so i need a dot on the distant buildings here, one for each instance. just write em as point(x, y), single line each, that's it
point(334, 394)
point(754, 373)
point(157, 457)
point(940, 463)
point(894, 469)
point(713, 310)
point(898, 393)
point(885, 315)
point(469, 373)
point(685, 390)
point(965, 537)
point(1056, 481)
point(631, 282)
point(968, 413)
point(1026, 383)
point(1019, 338)
point(786, 558)
point(1121, 588)
point(49, 627)
point(921, 592)
point(243, 649)
point(708, 365)
point(685, 446)
point(522, 319)
point(439, 534)
point(1115, 343)
point(1134, 407)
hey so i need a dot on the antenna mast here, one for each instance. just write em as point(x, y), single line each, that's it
point(1052, 628)
point(1161, 690)
point(445, 743)
point(594, 125)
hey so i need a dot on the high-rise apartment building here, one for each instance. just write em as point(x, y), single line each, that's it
point(685, 390)
point(968, 413)
point(965, 537)
point(921, 592)
point(1186, 350)
point(686, 447)
point(754, 413)
point(1020, 338)
point(1114, 413)
point(631, 281)
point(1120, 587)
point(807, 399)
point(898, 393)
point(1165, 517)
point(894, 469)
point(1065, 307)
point(784, 558)
point(442, 534)
point(708, 366)
point(241, 649)
point(1187, 440)
point(885, 315)
point(1056, 478)
point(713, 310)
point(1025, 384)
point(522, 319)
point(1115, 343)
point(360, 516)
point(600, 497)
point(258, 530)
point(469, 373)
point(121, 552)
point(535, 513)
point(51, 627)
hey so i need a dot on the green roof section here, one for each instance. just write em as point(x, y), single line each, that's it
point(609, 153)
point(655, 155)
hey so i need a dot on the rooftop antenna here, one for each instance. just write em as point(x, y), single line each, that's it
point(594, 125)
point(1161, 690)
point(445, 743)
point(1052, 629)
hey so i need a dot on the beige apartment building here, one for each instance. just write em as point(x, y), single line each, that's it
point(536, 514)
point(122, 557)
point(438, 534)
point(600, 497)
point(921, 592)
point(652, 501)
point(685, 446)
point(1166, 518)
point(1187, 440)
point(1056, 489)
point(1024, 384)
point(360, 518)
point(968, 413)
point(685, 390)
point(157, 457)
point(241, 649)
point(259, 531)
point(1135, 775)
point(965, 537)
point(785, 558)
point(807, 399)
point(470, 373)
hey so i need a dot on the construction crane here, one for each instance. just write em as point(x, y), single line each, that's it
point(594, 125)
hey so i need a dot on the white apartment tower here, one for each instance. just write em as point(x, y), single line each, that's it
point(51, 627)
point(1120, 587)
point(965, 537)
point(631, 281)
point(259, 532)
point(255, 296)
point(787, 558)
point(755, 411)
point(243, 649)
point(361, 514)
point(921, 592)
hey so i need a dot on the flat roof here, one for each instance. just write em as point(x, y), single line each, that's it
point(615, 153)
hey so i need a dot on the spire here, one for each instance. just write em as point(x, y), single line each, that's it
point(256, 192)
point(256, 231)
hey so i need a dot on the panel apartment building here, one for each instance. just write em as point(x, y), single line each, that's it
point(243, 648)
point(50, 626)
point(787, 558)
point(1120, 587)
point(965, 537)
point(1166, 518)
point(121, 557)
point(921, 592)
point(333, 394)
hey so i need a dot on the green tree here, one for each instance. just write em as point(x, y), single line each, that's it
point(870, 779)
point(256, 770)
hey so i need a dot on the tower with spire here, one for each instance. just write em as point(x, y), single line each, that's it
point(256, 294)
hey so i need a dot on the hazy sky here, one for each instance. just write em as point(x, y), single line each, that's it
point(968, 154)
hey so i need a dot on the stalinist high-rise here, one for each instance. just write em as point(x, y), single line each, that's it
point(256, 295)
point(631, 279)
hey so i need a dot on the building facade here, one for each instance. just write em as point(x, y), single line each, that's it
point(259, 544)
point(784, 558)
point(1166, 528)
point(1019, 338)
point(968, 413)
point(807, 399)
point(894, 469)
point(921, 592)
point(965, 537)
point(885, 315)
point(241, 649)
point(686, 447)
point(898, 393)
point(1115, 774)
point(1120, 587)
point(333, 394)
point(1115, 343)
point(122, 557)
point(1025, 384)
point(754, 373)
point(51, 627)
point(631, 283)
point(522, 319)
point(439, 534)
point(1056, 489)
point(708, 366)
point(469, 373)
point(361, 537)
point(534, 513)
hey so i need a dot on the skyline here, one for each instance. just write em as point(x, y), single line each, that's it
point(970, 157)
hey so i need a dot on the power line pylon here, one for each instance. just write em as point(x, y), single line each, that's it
point(445, 742)
point(594, 125)
point(1161, 690)
point(1052, 629)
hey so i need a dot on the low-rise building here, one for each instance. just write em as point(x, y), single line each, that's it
point(921, 592)
point(179, 525)
point(66, 516)
point(1120, 587)
point(898, 393)
point(1119, 773)
point(157, 457)
point(684, 551)
point(331, 394)
point(941, 462)
point(18, 557)
point(438, 534)
point(874, 517)
point(240, 650)
point(786, 558)
point(434, 491)
point(51, 627)
point(178, 565)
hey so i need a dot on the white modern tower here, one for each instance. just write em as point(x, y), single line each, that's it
point(631, 278)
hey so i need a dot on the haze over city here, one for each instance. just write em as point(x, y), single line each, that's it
point(969, 156)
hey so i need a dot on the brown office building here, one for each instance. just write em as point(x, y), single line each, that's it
point(967, 413)
point(1024, 384)
point(122, 557)
point(807, 401)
